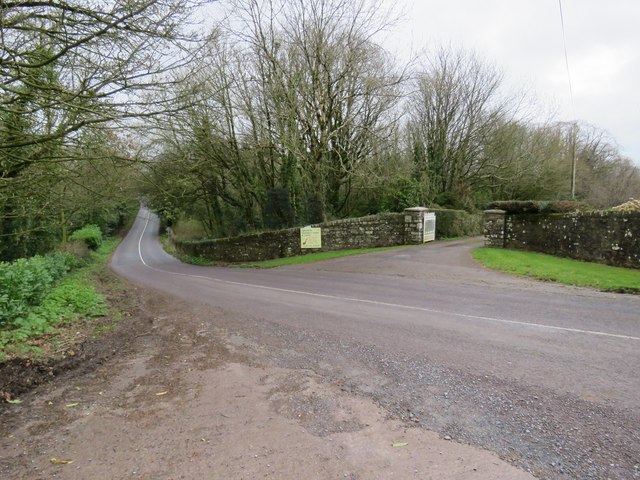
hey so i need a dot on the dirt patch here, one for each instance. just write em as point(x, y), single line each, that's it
point(80, 346)
point(175, 393)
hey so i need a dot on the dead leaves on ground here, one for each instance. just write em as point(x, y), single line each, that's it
point(9, 398)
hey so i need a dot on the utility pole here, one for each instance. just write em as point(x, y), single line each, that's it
point(573, 160)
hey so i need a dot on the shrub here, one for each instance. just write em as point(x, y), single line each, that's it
point(400, 194)
point(90, 234)
point(26, 281)
point(77, 248)
point(565, 206)
point(537, 206)
point(631, 206)
point(516, 206)
point(457, 223)
point(278, 212)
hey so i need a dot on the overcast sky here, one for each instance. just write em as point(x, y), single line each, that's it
point(524, 39)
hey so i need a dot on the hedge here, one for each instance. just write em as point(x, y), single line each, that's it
point(456, 223)
point(537, 206)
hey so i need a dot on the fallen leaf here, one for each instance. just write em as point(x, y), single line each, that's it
point(49, 402)
point(159, 394)
point(69, 405)
point(60, 461)
point(14, 402)
point(399, 444)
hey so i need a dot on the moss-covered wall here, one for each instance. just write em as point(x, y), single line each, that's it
point(494, 228)
point(365, 232)
point(605, 237)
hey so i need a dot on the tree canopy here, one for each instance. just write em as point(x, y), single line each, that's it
point(284, 112)
point(72, 74)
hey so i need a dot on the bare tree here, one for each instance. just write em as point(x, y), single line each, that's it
point(525, 161)
point(328, 91)
point(604, 178)
point(454, 110)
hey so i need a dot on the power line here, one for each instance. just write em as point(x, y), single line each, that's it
point(566, 57)
point(573, 125)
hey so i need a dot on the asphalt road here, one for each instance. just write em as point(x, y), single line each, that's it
point(546, 376)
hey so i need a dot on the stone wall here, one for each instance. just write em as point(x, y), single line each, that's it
point(365, 232)
point(494, 228)
point(413, 232)
point(605, 237)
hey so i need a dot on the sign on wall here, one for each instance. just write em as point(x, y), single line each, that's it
point(311, 237)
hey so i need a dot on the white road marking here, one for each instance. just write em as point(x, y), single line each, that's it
point(384, 304)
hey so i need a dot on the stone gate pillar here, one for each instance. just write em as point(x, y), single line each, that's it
point(414, 225)
point(494, 222)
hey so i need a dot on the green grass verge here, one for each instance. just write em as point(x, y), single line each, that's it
point(312, 257)
point(72, 299)
point(562, 270)
point(170, 248)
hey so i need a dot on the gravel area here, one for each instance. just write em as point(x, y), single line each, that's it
point(196, 392)
point(552, 436)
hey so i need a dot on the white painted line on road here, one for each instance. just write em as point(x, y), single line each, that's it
point(429, 310)
point(140, 243)
point(384, 304)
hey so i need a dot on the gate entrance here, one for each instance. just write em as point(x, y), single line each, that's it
point(429, 227)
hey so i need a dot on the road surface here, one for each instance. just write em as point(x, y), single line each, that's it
point(545, 376)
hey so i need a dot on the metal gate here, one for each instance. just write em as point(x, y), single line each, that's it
point(429, 227)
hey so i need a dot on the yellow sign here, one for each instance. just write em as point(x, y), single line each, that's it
point(310, 237)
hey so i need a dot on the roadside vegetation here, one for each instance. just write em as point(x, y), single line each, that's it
point(562, 270)
point(44, 295)
point(170, 248)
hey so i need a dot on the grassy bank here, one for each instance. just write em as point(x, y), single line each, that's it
point(170, 248)
point(562, 270)
point(72, 299)
point(312, 257)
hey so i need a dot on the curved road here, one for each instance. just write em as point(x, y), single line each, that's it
point(547, 376)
